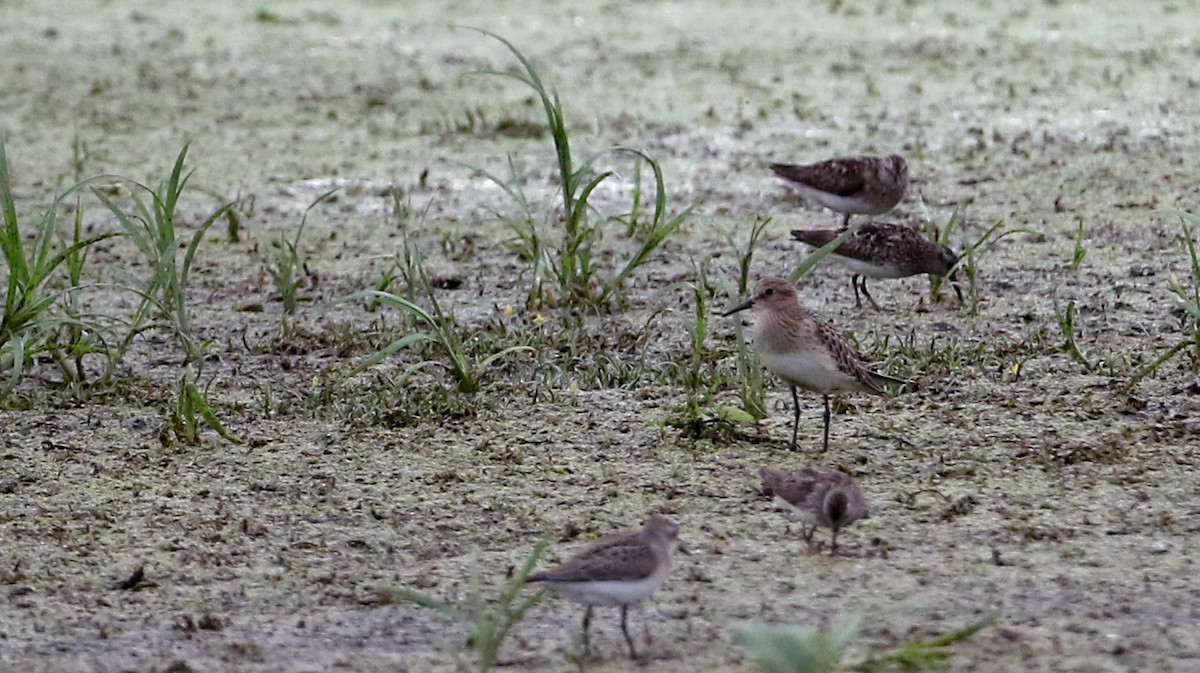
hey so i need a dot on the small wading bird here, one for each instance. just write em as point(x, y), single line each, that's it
point(818, 497)
point(804, 351)
point(863, 185)
point(882, 250)
point(617, 571)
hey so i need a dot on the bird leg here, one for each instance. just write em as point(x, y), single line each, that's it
point(587, 620)
point(825, 446)
point(833, 541)
point(862, 280)
point(624, 629)
point(795, 418)
point(854, 284)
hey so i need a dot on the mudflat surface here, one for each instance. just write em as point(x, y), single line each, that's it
point(1015, 481)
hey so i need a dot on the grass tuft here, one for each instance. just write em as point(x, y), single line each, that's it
point(787, 649)
point(1186, 297)
point(570, 261)
point(37, 319)
point(487, 622)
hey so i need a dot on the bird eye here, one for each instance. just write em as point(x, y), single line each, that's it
point(770, 291)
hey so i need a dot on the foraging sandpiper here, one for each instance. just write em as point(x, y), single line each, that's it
point(865, 185)
point(883, 250)
point(818, 497)
point(806, 352)
point(617, 571)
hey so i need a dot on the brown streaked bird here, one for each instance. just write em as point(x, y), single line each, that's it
point(617, 571)
point(866, 185)
point(805, 352)
point(884, 250)
point(818, 497)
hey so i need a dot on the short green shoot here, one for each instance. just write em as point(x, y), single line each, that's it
point(1080, 245)
point(969, 262)
point(487, 622)
point(1186, 297)
point(288, 266)
point(1066, 323)
point(940, 235)
point(191, 411)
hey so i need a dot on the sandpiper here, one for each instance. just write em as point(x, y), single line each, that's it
point(817, 496)
point(617, 571)
point(805, 352)
point(866, 185)
point(884, 250)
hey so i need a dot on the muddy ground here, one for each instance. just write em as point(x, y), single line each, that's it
point(1015, 482)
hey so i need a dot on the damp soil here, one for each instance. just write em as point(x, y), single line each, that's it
point(1015, 482)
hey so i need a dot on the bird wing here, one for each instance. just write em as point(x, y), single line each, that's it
point(620, 559)
point(836, 176)
point(799, 487)
point(850, 362)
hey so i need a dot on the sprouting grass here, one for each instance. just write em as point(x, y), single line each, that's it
point(466, 368)
point(699, 375)
point(288, 266)
point(1066, 323)
point(969, 262)
point(487, 622)
point(785, 649)
point(1186, 296)
point(569, 262)
point(152, 228)
point(37, 319)
point(191, 409)
point(1080, 250)
point(751, 376)
point(164, 293)
point(941, 235)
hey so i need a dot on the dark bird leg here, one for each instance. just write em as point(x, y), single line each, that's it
point(624, 629)
point(854, 284)
point(954, 284)
point(587, 621)
point(833, 541)
point(863, 281)
point(795, 418)
point(825, 446)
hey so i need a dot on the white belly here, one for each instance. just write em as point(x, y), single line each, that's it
point(842, 204)
point(869, 269)
point(814, 371)
point(802, 515)
point(609, 592)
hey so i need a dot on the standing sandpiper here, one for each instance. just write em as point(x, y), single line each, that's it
point(617, 571)
point(806, 352)
point(882, 250)
point(864, 185)
point(817, 496)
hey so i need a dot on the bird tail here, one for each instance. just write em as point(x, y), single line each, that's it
point(815, 237)
point(791, 172)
